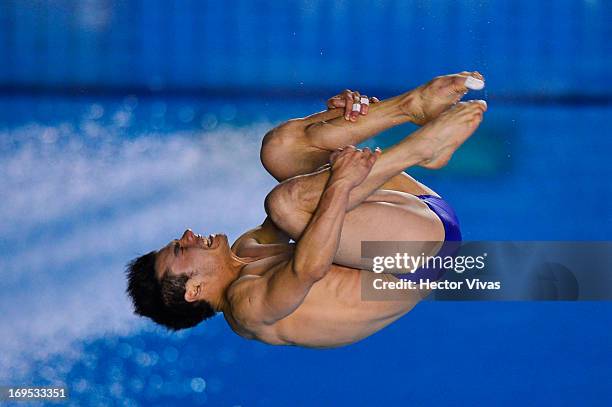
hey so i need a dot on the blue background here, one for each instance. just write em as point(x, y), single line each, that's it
point(123, 122)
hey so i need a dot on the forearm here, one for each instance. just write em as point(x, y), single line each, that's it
point(318, 244)
point(392, 162)
point(337, 132)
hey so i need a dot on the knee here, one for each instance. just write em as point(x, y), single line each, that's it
point(275, 204)
point(283, 201)
point(286, 130)
point(278, 142)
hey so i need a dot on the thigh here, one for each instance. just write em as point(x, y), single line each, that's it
point(402, 218)
point(286, 151)
point(405, 183)
point(386, 215)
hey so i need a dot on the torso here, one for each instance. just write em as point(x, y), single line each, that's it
point(332, 314)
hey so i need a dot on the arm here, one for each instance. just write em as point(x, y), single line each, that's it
point(281, 291)
point(263, 241)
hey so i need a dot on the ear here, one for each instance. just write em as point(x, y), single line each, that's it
point(193, 289)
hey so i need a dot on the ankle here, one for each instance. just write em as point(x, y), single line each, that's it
point(410, 105)
point(422, 149)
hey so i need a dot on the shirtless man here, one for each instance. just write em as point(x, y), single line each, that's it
point(331, 196)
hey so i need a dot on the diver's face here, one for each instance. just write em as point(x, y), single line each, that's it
point(194, 255)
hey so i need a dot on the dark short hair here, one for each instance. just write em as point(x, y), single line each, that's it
point(163, 301)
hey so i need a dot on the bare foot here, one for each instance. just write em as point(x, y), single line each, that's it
point(440, 138)
point(426, 102)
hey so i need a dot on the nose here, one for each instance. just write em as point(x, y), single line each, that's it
point(188, 236)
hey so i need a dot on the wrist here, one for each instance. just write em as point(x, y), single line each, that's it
point(340, 185)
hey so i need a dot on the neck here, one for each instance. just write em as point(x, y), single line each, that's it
point(221, 303)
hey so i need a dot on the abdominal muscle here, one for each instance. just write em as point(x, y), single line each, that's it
point(333, 313)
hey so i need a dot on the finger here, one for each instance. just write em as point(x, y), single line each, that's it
point(356, 107)
point(374, 99)
point(365, 104)
point(348, 100)
point(355, 111)
point(368, 152)
point(339, 102)
point(377, 151)
point(336, 152)
point(372, 159)
point(336, 102)
point(368, 156)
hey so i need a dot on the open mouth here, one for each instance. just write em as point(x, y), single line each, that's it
point(208, 241)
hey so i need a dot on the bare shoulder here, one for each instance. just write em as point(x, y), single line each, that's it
point(246, 296)
point(242, 296)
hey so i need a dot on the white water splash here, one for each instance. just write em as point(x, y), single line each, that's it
point(78, 204)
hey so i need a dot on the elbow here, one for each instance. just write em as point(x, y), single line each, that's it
point(310, 271)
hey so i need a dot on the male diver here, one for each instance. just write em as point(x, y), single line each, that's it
point(296, 279)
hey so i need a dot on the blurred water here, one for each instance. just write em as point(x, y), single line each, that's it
point(83, 196)
point(525, 47)
point(87, 185)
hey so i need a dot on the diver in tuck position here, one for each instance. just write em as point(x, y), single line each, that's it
point(330, 197)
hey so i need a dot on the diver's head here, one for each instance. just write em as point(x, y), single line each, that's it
point(183, 283)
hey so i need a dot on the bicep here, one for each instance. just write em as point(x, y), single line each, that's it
point(265, 234)
point(270, 233)
point(282, 292)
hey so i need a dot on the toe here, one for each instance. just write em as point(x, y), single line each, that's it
point(462, 83)
point(459, 84)
point(468, 80)
point(474, 83)
point(462, 106)
point(478, 104)
point(477, 75)
point(476, 118)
